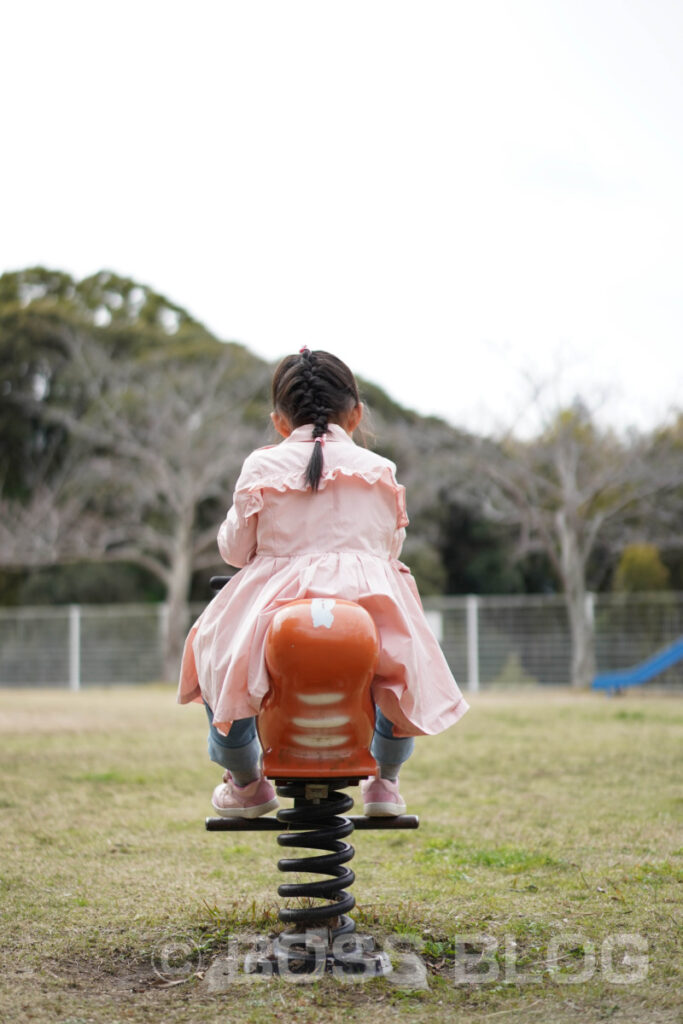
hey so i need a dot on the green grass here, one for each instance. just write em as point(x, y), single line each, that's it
point(550, 823)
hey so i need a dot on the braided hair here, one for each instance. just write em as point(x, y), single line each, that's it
point(314, 387)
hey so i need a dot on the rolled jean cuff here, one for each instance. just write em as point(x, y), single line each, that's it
point(236, 759)
point(385, 748)
point(240, 750)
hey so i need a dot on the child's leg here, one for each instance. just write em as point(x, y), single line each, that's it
point(239, 751)
point(380, 794)
point(244, 792)
point(387, 750)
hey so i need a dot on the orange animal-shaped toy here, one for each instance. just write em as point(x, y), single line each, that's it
point(318, 716)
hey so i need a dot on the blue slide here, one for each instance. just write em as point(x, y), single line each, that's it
point(639, 674)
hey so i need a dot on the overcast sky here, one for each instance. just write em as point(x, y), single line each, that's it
point(451, 196)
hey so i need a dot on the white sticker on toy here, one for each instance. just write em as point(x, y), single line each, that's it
point(321, 612)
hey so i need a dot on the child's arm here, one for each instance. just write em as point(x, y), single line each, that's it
point(397, 542)
point(237, 538)
point(401, 515)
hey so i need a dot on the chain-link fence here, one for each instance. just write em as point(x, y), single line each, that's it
point(80, 645)
point(526, 639)
point(488, 641)
point(505, 639)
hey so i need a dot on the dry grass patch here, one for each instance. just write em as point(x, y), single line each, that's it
point(550, 827)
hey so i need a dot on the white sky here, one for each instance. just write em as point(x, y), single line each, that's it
point(448, 195)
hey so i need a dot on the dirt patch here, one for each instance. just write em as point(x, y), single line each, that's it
point(172, 984)
point(126, 988)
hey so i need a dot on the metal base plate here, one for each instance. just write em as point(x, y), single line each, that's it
point(306, 955)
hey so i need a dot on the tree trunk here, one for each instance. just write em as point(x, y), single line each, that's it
point(582, 638)
point(178, 615)
point(579, 607)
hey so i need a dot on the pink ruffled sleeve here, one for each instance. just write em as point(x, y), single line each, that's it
point(397, 542)
point(237, 538)
point(237, 535)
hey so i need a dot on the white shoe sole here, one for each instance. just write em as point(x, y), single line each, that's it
point(246, 812)
point(383, 810)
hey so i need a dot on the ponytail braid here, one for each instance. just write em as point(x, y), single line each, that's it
point(320, 417)
point(317, 388)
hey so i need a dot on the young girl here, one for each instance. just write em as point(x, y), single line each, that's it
point(314, 516)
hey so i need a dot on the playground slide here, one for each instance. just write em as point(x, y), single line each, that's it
point(642, 673)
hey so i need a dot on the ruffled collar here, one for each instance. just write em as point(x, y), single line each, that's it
point(334, 433)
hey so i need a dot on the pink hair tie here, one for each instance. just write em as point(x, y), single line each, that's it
point(304, 348)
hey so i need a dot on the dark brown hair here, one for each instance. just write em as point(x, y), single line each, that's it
point(317, 388)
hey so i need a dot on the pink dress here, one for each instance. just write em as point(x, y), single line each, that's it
point(342, 541)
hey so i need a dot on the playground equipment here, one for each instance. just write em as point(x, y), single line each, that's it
point(315, 726)
point(643, 672)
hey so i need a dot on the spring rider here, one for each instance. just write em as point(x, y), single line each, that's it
point(315, 727)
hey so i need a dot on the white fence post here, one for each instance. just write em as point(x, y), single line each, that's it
point(74, 647)
point(435, 620)
point(472, 643)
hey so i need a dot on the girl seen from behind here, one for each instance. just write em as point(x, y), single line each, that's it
point(315, 516)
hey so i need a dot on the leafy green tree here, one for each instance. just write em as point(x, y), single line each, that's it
point(668, 535)
point(640, 569)
point(478, 555)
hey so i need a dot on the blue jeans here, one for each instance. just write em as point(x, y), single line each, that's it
point(240, 750)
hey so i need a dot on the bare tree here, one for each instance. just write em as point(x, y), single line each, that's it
point(428, 453)
point(161, 441)
point(572, 485)
point(54, 527)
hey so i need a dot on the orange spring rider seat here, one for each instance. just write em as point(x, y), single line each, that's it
point(318, 718)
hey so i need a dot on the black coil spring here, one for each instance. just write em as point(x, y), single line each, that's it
point(319, 826)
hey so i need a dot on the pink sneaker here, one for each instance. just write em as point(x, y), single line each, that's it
point(381, 798)
point(250, 801)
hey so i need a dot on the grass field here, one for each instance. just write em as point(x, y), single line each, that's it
point(543, 883)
